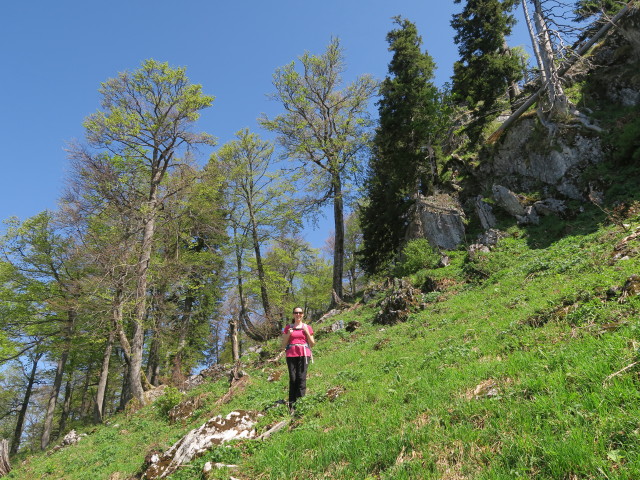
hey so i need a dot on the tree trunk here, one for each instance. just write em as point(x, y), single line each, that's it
point(534, 41)
point(85, 404)
point(57, 382)
point(125, 393)
point(98, 415)
point(561, 71)
point(233, 334)
point(153, 360)
point(177, 371)
point(261, 275)
point(558, 101)
point(117, 319)
point(513, 89)
point(17, 434)
point(243, 318)
point(135, 366)
point(338, 247)
point(5, 466)
point(66, 408)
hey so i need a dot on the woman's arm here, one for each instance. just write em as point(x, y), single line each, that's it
point(310, 340)
point(284, 338)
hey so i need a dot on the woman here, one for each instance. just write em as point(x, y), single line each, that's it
point(297, 339)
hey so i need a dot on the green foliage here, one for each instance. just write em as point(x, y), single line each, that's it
point(414, 116)
point(325, 130)
point(586, 9)
point(169, 399)
point(486, 69)
point(416, 255)
point(625, 139)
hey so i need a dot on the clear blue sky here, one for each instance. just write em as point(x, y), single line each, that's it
point(56, 54)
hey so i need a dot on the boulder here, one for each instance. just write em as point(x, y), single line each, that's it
point(550, 206)
point(530, 217)
point(398, 304)
point(491, 237)
point(508, 200)
point(485, 213)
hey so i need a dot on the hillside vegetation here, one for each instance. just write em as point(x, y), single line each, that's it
point(521, 364)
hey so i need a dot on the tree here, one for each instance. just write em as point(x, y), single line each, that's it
point(325, 130)
point(585, 9)
point(403, 164)
point(487, 70)
point(260, 200)
point(136, 139)
point(45, 258)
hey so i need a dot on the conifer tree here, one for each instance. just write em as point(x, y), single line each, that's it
point(403, 161)
point(486, 70)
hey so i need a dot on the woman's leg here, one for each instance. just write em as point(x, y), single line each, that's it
point(293, 376)
point(301, 377)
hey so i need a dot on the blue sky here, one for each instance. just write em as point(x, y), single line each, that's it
point(56, 54)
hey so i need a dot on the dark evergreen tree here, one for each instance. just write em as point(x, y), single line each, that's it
point(585, 9)
point(403, 163)
point(486, 71)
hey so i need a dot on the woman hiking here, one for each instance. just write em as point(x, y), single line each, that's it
point(297, 339)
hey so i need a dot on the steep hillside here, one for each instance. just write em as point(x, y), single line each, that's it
point(518, 359)
point(517, 363)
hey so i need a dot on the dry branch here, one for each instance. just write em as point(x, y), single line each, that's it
point(561, 71)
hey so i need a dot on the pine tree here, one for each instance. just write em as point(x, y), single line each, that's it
point(486, 70)
point(403, 161)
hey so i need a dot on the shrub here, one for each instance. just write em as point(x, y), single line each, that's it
point(416, 255)
point(166, 402)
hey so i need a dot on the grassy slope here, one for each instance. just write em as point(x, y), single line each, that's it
point(528, 316)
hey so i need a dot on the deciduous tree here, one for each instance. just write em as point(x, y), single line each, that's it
point(142, 132)
point(325, 129)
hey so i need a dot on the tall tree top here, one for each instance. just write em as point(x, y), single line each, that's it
point(147, 111)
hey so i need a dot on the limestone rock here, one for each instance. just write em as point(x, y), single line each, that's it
point(508, 200)
point(530, 217)
point(439, 219)
point(218, 430)
point(485, 213)
point(398, 304)
point(550, 206)
point(491, 237)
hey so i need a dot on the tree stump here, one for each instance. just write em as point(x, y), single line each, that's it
point(5, 467)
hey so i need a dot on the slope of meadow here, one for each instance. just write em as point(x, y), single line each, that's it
point(521, 365)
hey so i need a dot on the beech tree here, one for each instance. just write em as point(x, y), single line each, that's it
point(143, 131)
point(45, 258)
point(260, 203)
point(325, 129)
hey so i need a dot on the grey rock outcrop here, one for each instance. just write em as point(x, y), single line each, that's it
point(438, 218)
point(553, 165)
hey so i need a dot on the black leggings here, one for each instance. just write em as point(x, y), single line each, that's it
point(297, 377)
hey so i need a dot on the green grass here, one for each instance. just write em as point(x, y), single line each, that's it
point(531, 316)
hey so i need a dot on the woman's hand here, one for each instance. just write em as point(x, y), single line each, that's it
point(310, 340)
